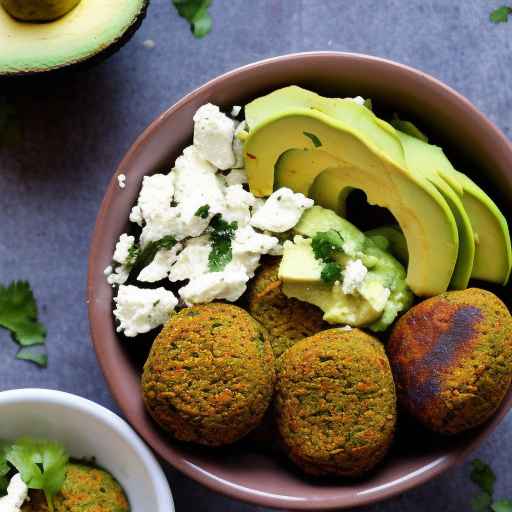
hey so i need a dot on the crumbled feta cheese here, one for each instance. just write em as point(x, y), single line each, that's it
point(236, 110)
point(121, 180)
point(238, 145)
point(236, 177)
point(17, 493)
point(353, 276)
point(140, 310)
point(192, 261)
point(108, 270)
point(259, 203)
point(154, 199)
point(123, 246)
point(238, 204)
point(213, 136)
point(358, 99)
point(281, 211)
point(248, 240)
point(229, 284)
point(161, 265)
point(345, 328)
point(349, 247)
point(118, 276)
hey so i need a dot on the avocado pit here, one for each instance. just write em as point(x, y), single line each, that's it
point(38, 10)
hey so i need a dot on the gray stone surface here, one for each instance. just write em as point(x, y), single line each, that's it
point(77, 126)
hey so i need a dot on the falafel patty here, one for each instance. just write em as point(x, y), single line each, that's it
point(210, 374)
point(85, 489)
point(451, 357)
point(287, 320)
point(335, 401)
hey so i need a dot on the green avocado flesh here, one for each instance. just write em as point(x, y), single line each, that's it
point(391, 239)
point(38, 10)
point(326, 147)
point(90, 28)
point(378, 299)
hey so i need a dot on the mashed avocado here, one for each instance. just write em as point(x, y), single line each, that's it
point(332, 264)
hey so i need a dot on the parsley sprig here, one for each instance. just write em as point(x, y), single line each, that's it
point(501, 14)
point(326, 246)
point(18, 314)
point(196, 13)
point(483, 476)
point(221, 235)
point(139, 258)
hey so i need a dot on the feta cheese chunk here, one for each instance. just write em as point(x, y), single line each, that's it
point(238, 205)
point(213, 136)
point(161, 265)
point(154, 198)
point(122, 251)
point(353, 276)
point(121, 180)
point(140, 310)
point(17, 493)
point(118, 276)
point(236, 177)
point(236, 110)
point(192, 260)
point(358, 99)
point(248, 240)
point(281, 211)
point(229, 284)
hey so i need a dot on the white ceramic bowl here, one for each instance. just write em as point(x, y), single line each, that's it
point(88, 430)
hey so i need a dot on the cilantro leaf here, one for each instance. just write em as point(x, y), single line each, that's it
point(331, 272)
point(203, 211)
point(133, 254)
point(502, 506)
point(483, 476)
point(196, 13)
point(42, 465)
point(501, 14)
point(221, 235)
point(33, 355)
point(481, 502)
point(18, 313)
point(314, 139)
point(145, 256)
point(408, 128)
point(326, 244)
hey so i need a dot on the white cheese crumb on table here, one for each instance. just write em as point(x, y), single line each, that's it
point(121, 180)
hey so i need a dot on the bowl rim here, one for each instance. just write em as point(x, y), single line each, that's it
point(213, 482)
point(108, 418)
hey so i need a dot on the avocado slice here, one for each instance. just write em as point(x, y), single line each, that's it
point(493, 255)
point(92, 29)
point(38, 10)
point(383, 293)
point(390, 238)
point(430, 162)
point(423, 214)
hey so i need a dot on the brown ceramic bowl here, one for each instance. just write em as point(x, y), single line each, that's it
point(245, 473)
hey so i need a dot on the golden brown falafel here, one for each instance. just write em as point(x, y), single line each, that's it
point(287, 320)
point(451, 357)
point(85, 489)
point(210, 375)
point(335, 402)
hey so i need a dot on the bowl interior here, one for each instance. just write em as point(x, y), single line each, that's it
point(88, 431)
point(252, 474)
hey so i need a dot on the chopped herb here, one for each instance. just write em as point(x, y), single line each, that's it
point(146, 256)
point(33, 355)
point(42, 465)
point(501, 14)
point(196, 13)
point(221, 235)
point(133, 254)
point(408, 128)
point(203, 211)
point(18, 314)
point(331, 272)
point(326, 244)
point(481, 502)
point(368, 104)
point(314, 139)
point(502, 506)
point(483, 476)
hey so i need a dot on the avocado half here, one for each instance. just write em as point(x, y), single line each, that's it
point(93, 29)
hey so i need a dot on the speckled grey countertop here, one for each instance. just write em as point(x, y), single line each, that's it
point(77, 126)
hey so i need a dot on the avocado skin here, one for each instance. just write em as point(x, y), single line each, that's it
point(38, 10)
point(94, 59)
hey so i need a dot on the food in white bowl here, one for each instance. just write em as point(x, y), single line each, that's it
point(56, 427)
